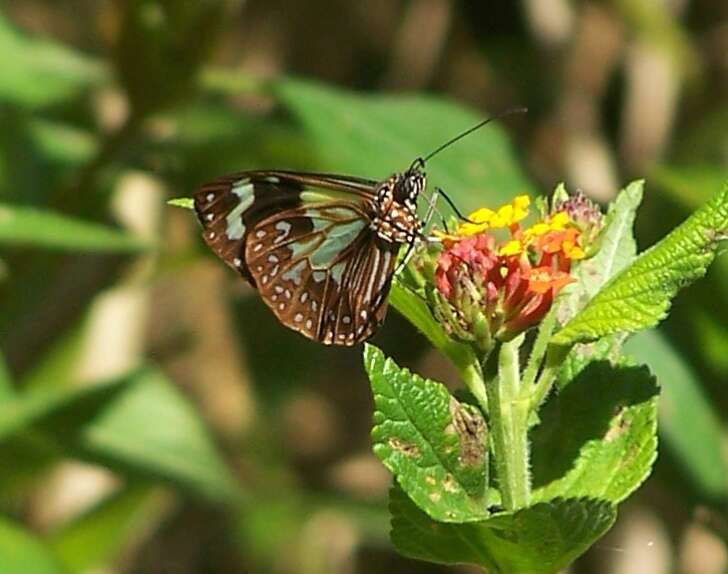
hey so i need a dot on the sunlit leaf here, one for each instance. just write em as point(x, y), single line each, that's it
point(639, 297)
point(374, 136)
point(541, 539)
point(29, 226)
point(23, 553)
point(434, 445)
point(598, 436)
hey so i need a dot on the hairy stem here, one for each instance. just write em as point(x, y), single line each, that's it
point(555, 356)
point(509, 409)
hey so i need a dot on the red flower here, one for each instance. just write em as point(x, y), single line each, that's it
point(494, 286)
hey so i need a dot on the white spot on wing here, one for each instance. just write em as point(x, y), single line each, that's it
point(284, 227)
point(245, 191)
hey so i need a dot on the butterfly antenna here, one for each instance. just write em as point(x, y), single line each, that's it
point(451, 203)
point(508, 112)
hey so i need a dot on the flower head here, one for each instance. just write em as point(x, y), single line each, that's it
point(489, 288)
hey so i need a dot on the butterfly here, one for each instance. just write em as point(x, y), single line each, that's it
point(321, 249)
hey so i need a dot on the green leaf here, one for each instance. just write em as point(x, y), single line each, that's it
point(97, 537)
point(541, 539)
point(54, 405)
point(39, 72)
point(160, 46)
point(375, 136)
point(434, 445)
point(691, 185)
point(29, 226)
point(6, 382)
point(688, 423)
point(639, 296)
point(184, 202)
point(23, 553)
point(416, 311)
point(598, 435)
point(153, 430)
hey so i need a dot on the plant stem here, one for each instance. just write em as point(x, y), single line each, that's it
point(554, 358)
point(509, 410)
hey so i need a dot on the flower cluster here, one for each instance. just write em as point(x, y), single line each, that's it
point(495, 278)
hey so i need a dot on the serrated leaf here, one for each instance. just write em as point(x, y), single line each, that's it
point(639, 297)
point(689, 425)
point(23, 553)
point(375, 136)
point(598, 435)
point(39, 72)
point(541, 539)
point(617, 249)
point(29, 226)
point(434, 445)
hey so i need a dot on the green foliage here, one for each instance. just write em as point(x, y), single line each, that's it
point(598, 436)
point(29, 226)
point(139, 425)
point(22, 553)
point(639, 297)
point(416, 311)
point(99, 535)
point(592, 443)
point(374, 136)
point(690, 426)
point(541, 539)
point(160, 47)
point(433, 444)
point(38, 73)
point(153, 430)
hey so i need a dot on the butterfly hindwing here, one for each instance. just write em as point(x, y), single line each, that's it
point(309, 264)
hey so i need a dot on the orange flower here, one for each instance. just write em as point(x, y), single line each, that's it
point(543, 279)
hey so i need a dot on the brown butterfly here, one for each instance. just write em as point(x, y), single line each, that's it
point(321, 249)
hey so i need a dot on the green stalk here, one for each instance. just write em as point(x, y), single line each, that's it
point(508, 425)
point(555, 356)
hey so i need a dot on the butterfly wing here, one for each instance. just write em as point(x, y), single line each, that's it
point(304, 240)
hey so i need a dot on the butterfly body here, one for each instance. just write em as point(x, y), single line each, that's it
point(321, 249)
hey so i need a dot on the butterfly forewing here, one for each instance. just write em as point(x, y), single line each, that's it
point(306, 242)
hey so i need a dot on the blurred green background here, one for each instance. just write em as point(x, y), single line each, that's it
point(154, 417)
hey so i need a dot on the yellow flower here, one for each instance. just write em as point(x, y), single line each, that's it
point(480, 222)
point(558, 222)
point(512, 247)
point(442, 235)
point(511, 213)
point(504, 216)
point(573, 251)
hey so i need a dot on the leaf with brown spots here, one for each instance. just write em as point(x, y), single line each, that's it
point(610, 412)
point(433, 444)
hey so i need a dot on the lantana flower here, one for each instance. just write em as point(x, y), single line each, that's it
point(488, 286)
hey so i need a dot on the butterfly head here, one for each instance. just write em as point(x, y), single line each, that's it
point(409, 185)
